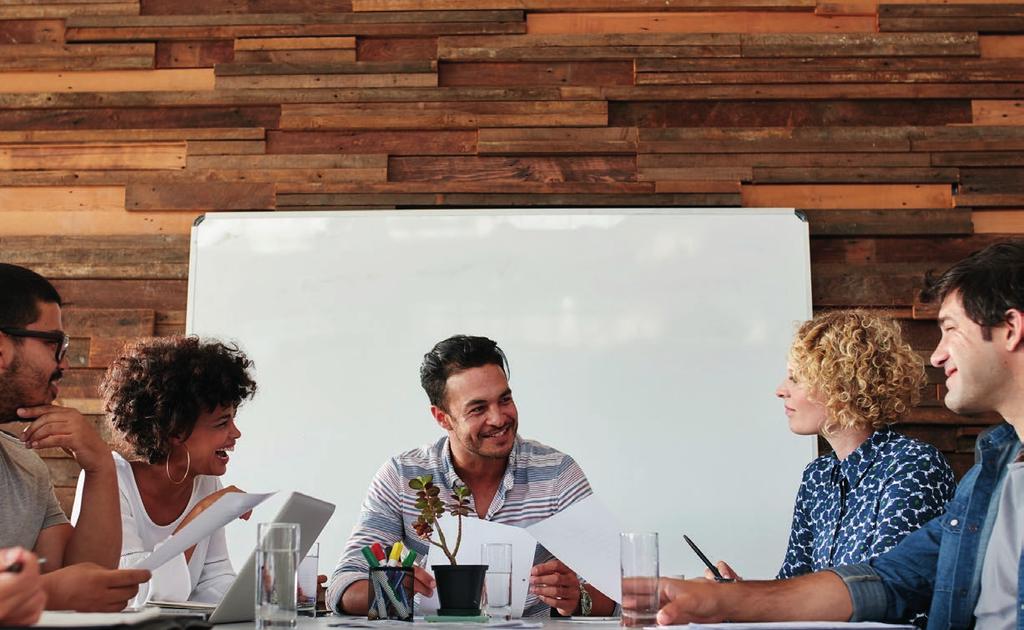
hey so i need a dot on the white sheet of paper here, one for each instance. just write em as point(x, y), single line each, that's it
point(69, 619)
point(223, 511)
point(476, 532)
point(585, 537)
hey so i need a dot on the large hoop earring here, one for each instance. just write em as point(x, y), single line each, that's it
point(188, 467)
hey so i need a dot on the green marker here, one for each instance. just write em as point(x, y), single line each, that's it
point(409, 559)
point(372, 559)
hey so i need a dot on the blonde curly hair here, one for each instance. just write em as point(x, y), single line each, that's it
point(857, 365)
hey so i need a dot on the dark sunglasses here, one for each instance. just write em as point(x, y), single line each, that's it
point(54, 336)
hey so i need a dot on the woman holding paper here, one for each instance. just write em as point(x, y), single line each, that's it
point(172, 401)
point(850, 376)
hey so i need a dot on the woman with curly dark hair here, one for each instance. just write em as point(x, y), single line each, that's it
point(171, 401)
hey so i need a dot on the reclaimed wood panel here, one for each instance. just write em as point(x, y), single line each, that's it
point(703, 22)
point(860, 45)
point(1002, 46)
point(63, 10)
point(590, 46)
point(401, 142)
point(491, 170)
point(194, 54)
point(594, 140)
point(998, 221)
point(576, 5)
point(162, 155)
point(31, 31)
point(789, 113)
point(217, 7)
point(39, 57)
point(888, 222)
point(75, 256)
point(774, 139)
point(444, 115)
point(536, 73)
point(396, 48)
point(848, 196)
point(200, 196)
point(53, 223)
point(61, 199)
point(131, 118)
point(997, 112)
point(308, 50)
point(107, 81)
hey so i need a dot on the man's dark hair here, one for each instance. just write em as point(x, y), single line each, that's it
point(990, 282)
point(157, 388)
point(21, 291)
point(454, 355)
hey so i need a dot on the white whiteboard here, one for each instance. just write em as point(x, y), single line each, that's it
point(646, 343)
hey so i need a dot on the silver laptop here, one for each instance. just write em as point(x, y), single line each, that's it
point(239, 603)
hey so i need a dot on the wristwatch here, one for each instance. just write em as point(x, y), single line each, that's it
point(586, 602)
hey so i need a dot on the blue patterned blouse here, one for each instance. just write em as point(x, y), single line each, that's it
point(853, 510)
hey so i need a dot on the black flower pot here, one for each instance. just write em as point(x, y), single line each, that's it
point(459, 588)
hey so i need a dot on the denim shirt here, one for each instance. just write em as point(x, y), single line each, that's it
point(851, 510)
point(942, 561)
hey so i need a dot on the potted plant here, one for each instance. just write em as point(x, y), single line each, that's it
point(458, 585)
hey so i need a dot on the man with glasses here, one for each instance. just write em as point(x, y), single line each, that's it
point(77, 571)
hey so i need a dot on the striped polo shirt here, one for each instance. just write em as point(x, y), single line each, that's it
point(539, 482)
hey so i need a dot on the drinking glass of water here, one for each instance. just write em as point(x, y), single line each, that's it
point(639, 556)
point(277, 562)
point(498, 580)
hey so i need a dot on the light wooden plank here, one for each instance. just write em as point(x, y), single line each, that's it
point(163, 155)
point(998, 221)
point(226, 147)
point(60, 199)
point(108, 81)
point(75, 223)
point(704, 22)
point(1000, 46)
point(848, 196)
point(997, 112)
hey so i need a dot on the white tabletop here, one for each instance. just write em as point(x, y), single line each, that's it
point(333, 621)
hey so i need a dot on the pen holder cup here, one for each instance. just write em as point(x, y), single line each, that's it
point(390, 594)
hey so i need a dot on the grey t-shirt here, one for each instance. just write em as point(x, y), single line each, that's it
point(997, 604)
point(27, 502)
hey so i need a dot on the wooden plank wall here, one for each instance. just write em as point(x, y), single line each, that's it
point(898, 128)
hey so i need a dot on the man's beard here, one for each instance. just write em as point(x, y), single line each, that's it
point(15, 387)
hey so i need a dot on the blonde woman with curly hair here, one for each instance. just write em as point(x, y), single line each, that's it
point(850, 376)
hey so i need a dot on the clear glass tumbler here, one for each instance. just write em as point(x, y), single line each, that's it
point(498, 581)
point(308, 571)
point(277, 563)
point(639, 556)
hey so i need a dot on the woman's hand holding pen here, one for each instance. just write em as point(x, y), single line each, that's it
point(724, 569)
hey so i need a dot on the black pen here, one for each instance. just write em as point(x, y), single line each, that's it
point(16, 567)
point(704, 559)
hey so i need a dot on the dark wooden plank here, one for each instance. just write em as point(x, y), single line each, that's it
point(596, 46)
point(789, 113)
point(581, 5)
point(943, 438)
point(798, 91)
point(318, 56)
point(501, 170)
point(396, 48)
point(860, 44)
point(978, 158)
point(962, 24)
point(449, 115)
point(934, 253)
point(140, 118)
point(216, 7)
point(890, 284)
point(356, 67)
point(81, 382)
point(864, 175)
point(536, 73)
point(194, 54)
point(774, 139)
point(392, 142)
point(148, 294)
point(968, 138)
point(489, 199)
point(780, 160)
point(76, 57)
point(31, 31)
point(988, 181)
point(889, 222)
point(200, 196)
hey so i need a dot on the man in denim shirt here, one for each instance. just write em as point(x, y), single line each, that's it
point(948, 567)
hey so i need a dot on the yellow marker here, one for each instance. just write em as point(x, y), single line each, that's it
point(395, 558)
